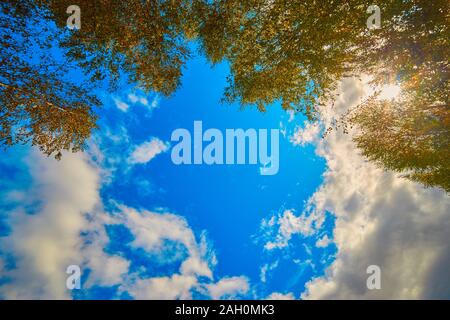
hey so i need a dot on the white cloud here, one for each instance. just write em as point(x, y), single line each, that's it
point(152, 229)
point(390, 92)
point(281, 296)
point(155, 102)
point(106, 270)
point(381, 219)
point(323, 242)
point(121, 105)
point(228, 288)
point(291, 114)
point(143, 101)
point(68, 228)
point(147, 151)
point(46, 242)
point(166, 288)
point(134, 98)
point(267, 268)
point(308, 134)
point(288, 224)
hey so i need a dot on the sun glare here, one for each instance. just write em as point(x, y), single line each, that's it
point(390, 92)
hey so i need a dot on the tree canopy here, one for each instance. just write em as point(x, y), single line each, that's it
point(291, 52)
point(145, 40)
point(37, 102)
point(410, 135)
point(296, 52)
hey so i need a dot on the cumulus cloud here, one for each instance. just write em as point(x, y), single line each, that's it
point(323, 242)
point(287, 224)
point(151, 229)
point(165, 288)
point(381, 219)
point(67, 227)
point(145, 152)
point(46, 242)
point(228, 288)
point(106, 270)
point(309, 133)
point(281, 296)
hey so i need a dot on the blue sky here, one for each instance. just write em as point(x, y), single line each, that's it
point(141, 227)
point(228, 201)
point(227, 204)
